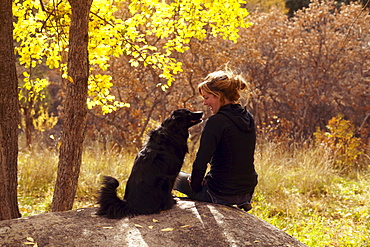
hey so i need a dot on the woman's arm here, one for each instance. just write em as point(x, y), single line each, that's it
point(209, 140)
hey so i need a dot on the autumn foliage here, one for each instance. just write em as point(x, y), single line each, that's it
point(303, 71)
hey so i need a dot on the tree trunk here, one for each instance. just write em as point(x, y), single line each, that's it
point(74, 108)
point(9, 116)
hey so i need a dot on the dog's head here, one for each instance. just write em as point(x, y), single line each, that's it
point(183, 119)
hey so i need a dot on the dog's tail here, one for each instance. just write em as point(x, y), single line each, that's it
point(111, 206)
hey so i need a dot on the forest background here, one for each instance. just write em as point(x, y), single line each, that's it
point(308, 75)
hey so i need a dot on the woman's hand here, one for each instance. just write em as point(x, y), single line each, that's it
point(202, 184)
point(189, 180)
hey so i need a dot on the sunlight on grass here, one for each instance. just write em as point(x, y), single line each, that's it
point(300, 193)
point(298, 190)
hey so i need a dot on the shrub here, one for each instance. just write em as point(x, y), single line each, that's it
point(341, 142)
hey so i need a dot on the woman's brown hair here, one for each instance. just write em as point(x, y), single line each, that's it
point(224, 84)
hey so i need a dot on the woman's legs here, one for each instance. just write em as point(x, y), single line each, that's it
point(182, 185)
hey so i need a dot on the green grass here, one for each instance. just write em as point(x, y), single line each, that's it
point(301, 194)
point(298, 191)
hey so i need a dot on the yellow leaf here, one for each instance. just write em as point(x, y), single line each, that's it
point(185, 226)
point(137, 225)
point(150, 227)
point(69, 78)
point(167, 229)
point(30, 239)
point(154, 220)
point(134, 63)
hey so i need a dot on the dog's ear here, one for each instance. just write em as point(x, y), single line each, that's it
point(175, 114)
point(173, 117)
point(175, 120)
point(179, 112)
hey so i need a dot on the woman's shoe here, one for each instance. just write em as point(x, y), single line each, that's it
point(246, 207)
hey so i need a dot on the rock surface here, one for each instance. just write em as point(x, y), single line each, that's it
point(187, 224)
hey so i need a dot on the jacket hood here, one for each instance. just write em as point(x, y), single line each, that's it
point(239, 116)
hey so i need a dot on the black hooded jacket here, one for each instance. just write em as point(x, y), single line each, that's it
point(228, 142)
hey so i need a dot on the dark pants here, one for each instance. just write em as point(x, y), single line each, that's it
point(182, 185)
point(205, 195)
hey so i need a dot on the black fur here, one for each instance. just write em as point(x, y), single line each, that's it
point(148, 189)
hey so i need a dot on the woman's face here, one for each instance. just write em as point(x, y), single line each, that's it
point(212, 101)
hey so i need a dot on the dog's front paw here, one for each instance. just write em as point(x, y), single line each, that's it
point(175, 199)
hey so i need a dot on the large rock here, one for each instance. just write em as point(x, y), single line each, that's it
point(187, 224)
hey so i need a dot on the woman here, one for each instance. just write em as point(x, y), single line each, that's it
point(227, 143)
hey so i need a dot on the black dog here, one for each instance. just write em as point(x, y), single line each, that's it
point(155, 169)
